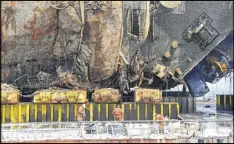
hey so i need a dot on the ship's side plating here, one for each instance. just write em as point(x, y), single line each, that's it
point(90, 45)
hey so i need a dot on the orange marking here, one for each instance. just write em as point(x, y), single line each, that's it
point(11, 4)
point(37, 32)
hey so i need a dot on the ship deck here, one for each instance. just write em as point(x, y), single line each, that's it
point(121, 132)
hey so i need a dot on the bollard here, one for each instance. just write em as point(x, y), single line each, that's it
point(169, 54)
point(174, 46)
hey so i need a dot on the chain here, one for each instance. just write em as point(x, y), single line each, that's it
point(27, 96)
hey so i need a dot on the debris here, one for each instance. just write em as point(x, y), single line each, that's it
point(9, 94)
point(8, 87)
point(123, 82)
point(55, 88)
point(66, 79)
point(43, 76)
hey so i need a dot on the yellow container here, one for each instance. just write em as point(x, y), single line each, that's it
point(106, 95)
point(76, 96)
point(54, 95)
point(41, 97)
point(148, 95)
point(159, 70)
point(9, 97)
point(60, 96)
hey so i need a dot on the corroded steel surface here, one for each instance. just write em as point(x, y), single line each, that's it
point(35, 25)
point(33, 33)
point(104, 32)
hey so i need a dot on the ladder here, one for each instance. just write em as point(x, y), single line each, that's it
point(142, 17)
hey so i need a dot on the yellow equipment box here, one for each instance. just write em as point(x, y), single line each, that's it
point(60, 96)
point(9, 97)
point(148, 95)
point(106, 95)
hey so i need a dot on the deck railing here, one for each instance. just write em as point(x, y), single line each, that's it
point(173, 129)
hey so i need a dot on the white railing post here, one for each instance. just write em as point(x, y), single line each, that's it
point(180, 127)
point(34, 134)
point(17, 134)
point(171, 128)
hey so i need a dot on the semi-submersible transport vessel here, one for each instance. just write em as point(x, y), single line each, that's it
point(57, 55)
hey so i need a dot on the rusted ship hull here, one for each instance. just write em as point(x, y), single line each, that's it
point(109, 44)
point(105, 141)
